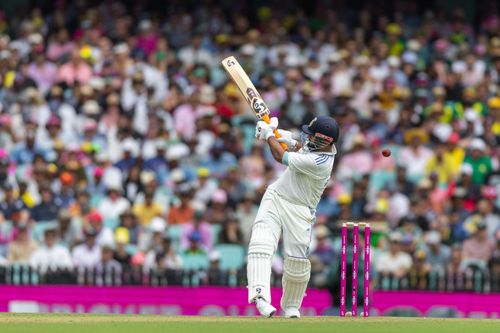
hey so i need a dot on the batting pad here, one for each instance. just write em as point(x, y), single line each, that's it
point(297, 272)
point(260, 251)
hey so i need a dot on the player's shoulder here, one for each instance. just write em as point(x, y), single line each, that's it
point(322, 158)
point(310, 160)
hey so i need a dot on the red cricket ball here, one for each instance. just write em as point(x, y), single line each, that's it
point(386, 152)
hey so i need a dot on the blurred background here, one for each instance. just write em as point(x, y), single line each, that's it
point(130, 176)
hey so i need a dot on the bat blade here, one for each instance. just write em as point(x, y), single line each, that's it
point(248, 90)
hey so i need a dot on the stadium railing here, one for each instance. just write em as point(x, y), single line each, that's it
point(130, 275)
point(470, 279)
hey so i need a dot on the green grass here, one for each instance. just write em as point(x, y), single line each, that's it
point(58, 323)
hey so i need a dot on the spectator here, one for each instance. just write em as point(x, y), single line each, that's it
point(215, 275)
point(51, 256)
point(323, 250)
point(158, 163)
point(494, 264)
point(454, 266)
point(194, 244)
point(486, 209)
point(478, 160)
point(246, 213)
point(198, 223)
point(147, 40)
point(60, 46)
point(43, 72)
point(129, 222)
point(120, 254)
point(437, 255)
point(69, 229)
point(81, 206)
point(114, 204)
point(87, 254)
point(217, 210)
point(163, 256)
point(22, 247)
point(155, 236)
point(358, 162)
point(394, 261)
point(183, 211)
point(194, 53)
point(48, 208)
point(234, 186)
point(415, 157)
point(3, 261)
point(108, 270)
point(11, 205)
point(205, 186)
point(104, 234)
point(231, 232)
point(479, 247)
point(148, 209)
point(419, 270)
point(75, 71)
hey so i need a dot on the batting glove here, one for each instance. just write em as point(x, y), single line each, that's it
point(286, 138)
point(264, 131)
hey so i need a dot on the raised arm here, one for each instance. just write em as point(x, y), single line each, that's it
point(276, 149)
point(265, 132)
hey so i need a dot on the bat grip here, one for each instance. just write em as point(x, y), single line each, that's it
point(277, 135)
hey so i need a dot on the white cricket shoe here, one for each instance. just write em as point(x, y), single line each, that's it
point(265, 309)
point(292, 313)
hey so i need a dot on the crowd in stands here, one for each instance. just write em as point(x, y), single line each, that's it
point(123, 142)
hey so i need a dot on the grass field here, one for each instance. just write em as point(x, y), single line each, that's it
point(47, 323)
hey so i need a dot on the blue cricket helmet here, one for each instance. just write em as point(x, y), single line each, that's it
point(324, 131)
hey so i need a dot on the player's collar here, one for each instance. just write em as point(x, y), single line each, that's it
point(333, 152)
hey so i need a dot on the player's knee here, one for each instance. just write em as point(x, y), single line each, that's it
point(260, 248)
point(297, 269)
point(262, 241)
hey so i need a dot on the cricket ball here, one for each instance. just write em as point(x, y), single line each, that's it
point(386, 152)
point(348, 314)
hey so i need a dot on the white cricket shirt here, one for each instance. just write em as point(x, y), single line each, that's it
point(305, 179)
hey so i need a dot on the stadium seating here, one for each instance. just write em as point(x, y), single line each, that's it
point(194, 261)
point(232, 256)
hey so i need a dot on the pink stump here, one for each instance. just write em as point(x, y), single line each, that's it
point(343, 271)
point(366, 282)
point(355, 247)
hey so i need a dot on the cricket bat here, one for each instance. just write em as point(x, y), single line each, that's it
point(247, 89)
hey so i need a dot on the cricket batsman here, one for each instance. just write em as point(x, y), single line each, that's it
point(289, 207)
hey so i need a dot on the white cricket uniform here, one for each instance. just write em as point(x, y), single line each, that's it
point(288, 207)
point(289, 204)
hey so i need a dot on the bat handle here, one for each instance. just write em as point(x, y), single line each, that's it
point(267, 120)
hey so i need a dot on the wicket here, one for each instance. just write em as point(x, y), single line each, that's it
point(366, 269)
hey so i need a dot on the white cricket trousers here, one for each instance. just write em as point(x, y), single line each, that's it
point(276, 215)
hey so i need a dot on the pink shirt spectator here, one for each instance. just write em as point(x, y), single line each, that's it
point(147, 43)
point(438, 199)
point(205, 231)
point(71, 72)
point(383, 163)
point(56, 50)
point(356, 164)
point(478, 249)
point(184, 120)
point(44, 76)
